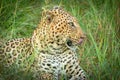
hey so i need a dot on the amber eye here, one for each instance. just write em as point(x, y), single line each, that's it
point(71, 24)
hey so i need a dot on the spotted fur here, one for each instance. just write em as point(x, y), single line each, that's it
point(54, 44)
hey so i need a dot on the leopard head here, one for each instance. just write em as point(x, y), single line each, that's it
point(57, 31)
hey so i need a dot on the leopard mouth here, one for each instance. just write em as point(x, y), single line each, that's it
point(80, 41)
point(71, 44)
point(74, 42)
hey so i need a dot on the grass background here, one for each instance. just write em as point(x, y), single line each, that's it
point(100, 20)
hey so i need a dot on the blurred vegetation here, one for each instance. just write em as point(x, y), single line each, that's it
point(100, 20)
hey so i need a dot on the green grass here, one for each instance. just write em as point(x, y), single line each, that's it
point(100, 20)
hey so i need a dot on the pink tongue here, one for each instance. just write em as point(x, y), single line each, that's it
point(80, 41)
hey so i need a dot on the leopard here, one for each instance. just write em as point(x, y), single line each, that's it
point(54, 45)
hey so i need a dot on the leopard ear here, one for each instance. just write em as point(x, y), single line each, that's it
point(58, 7)
point(48, 16)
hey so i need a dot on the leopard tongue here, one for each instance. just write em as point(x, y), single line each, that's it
point(80, 41)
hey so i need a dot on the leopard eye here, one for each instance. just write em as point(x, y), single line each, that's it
point(71, 24)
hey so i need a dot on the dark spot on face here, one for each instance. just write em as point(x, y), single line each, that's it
point(64, 60)
point(54, 67)
point(9, 61)
point(76, 67)
point(63, 28)
point(42, 46)
point(42, 51)
point(14, 58)
point(7, 43)
point(13, 46)
point(69, 61)
point(71, 24)
point(57, 36)
point(69, 57)
point(45, 44)
point(70, 76)
point(8, 49)
point(46, 68)
point(84, 77)
point(20, 61)
point(58, 29)
point(43, 64)
point(58, 40)
point(65, 66)
point(74, 62)
point(52, 42)
point(16, 43)
point(72, 72)
point(70, 66)
point(59, 25)
point(66, 71)
point(18, 51)
point(79, 69)
point(22, 50)
point(77, 72)
point(70, 53)
point(48, 64)
point(1, 51)
point(14, 53)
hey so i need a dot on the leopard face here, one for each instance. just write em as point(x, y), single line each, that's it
point(57, 30)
